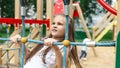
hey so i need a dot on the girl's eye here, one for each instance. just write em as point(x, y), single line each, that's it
point(59, 23)
point(53, 23)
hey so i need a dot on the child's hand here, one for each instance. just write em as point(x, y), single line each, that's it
point(49, 41)
point(15, 38)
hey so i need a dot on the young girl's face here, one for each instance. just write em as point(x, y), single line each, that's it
point(58, 27)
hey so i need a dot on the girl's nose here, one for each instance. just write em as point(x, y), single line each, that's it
point(55, 25)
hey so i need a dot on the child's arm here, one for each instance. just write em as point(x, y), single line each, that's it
point(15, 40)
point(58, 56)
point(48, 42)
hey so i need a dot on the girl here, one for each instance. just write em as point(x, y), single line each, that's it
point(48, 55)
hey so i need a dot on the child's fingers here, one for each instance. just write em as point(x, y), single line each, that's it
point(49, 41)
point(15, 38)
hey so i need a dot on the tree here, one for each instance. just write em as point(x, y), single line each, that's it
point(30, 4)
point(90, 8)
point(7, 8)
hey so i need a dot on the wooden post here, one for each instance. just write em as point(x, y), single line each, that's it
point(83, 21)
point(114, 30)
point(118, 17)
point(71, 8)
point(40, 15)
point(17, 9)
point(40, 9)
point(49, 11)
point(17, 16)
point(115, 25)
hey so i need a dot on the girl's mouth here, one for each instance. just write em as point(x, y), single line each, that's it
point(54, 30)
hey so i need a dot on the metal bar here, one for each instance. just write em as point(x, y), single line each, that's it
point(23, 2)
point(23, 45)
point(105, 43)
point(7, 49)
point(66, 5)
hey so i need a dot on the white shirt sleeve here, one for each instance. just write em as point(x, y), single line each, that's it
point(85, 41)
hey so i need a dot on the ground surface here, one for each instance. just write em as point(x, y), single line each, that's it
point(105, 58)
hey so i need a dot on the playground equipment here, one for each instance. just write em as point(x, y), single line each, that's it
point(77, 12)
point(106, 6)
point(34, 33)
point(102, 27)
point(65, 42)
point(80, 15)
point(18, 21)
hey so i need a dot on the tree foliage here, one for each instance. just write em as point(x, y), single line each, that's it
point(90, 8)
point(7, 8)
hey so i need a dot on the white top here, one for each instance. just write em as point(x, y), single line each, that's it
point(84, 48)
point(36, 60)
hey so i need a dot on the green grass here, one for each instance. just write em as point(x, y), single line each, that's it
point(3, 33)
point(108, 36)
point(80, 36)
